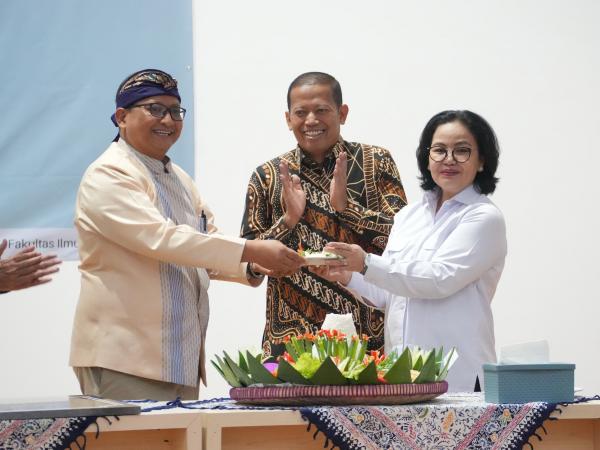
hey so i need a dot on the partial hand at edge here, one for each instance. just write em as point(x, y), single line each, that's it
point(26, 268)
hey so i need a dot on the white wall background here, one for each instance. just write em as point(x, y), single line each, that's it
point(531, 68)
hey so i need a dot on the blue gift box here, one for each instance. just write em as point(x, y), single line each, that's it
point(523, 383)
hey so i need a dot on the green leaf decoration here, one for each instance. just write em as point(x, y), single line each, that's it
point(328, 373)
point(399, 373)
point(439, 356)
point(308, 345)
point(353, 350)
point(216, 366)
point(418, 364)
point(287, 372)
point(237, 371)
point(242, 363)
point(446, 364)
point(342, 366)
point(315, 358)
point(428, 371)
point(320, 346)
point(307, 365)
point(362, 350)
point(352, 370)
point(417, 353)
point(340, 348)
point(298, 345)
point(289, 347)
point(228, 373)
point(259, 373)
point(369, 374)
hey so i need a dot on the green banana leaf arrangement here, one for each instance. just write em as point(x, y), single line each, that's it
point(329, 358)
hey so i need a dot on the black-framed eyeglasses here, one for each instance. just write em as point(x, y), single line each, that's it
point(438, 153)
point(159, 110)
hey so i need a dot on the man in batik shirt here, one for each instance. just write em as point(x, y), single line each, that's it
point(326, 189)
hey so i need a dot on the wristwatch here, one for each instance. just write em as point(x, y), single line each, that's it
point(365, 264)
point(251, 273)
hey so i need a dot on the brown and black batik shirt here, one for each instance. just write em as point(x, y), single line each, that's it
point(299, 303)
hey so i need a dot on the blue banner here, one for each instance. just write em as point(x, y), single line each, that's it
point(60, 65)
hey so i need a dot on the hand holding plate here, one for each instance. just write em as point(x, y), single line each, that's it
point(334, 274)
point(353, 254)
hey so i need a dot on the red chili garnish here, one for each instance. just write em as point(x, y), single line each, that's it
point(287, 357)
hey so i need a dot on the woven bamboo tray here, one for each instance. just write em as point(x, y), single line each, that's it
point(377, 394)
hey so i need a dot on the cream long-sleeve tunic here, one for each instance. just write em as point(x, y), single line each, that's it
point(143, 306)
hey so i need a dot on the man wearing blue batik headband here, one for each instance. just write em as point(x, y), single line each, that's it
point(148, 248)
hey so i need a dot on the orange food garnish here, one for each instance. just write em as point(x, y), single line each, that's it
point(287, 357)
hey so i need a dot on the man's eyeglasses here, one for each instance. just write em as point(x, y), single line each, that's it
point(159, 110)
point(438, 153)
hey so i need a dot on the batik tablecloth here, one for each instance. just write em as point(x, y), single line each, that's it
point(458, 421)
point(44, 434)
point(452, 421)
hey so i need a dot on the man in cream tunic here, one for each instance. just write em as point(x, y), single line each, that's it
point(148, 248)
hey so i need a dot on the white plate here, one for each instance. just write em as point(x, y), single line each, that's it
point(320, 259)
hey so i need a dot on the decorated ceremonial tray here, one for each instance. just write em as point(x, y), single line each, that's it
point(366, 394)
point(329, 369)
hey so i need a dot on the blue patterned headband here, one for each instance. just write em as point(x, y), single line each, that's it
point(143, 84)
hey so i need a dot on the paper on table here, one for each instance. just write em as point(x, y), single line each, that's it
point(534, 352)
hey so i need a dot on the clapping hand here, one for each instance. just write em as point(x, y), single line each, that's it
point(294, 198)
point(338, 195)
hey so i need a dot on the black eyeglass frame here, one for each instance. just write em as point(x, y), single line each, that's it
point(446, 151)
point(170, 109)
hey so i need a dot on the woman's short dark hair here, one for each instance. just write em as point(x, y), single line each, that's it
point(487, 144)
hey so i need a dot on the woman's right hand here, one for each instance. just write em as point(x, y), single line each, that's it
point(333, 273)
point(354, 256)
